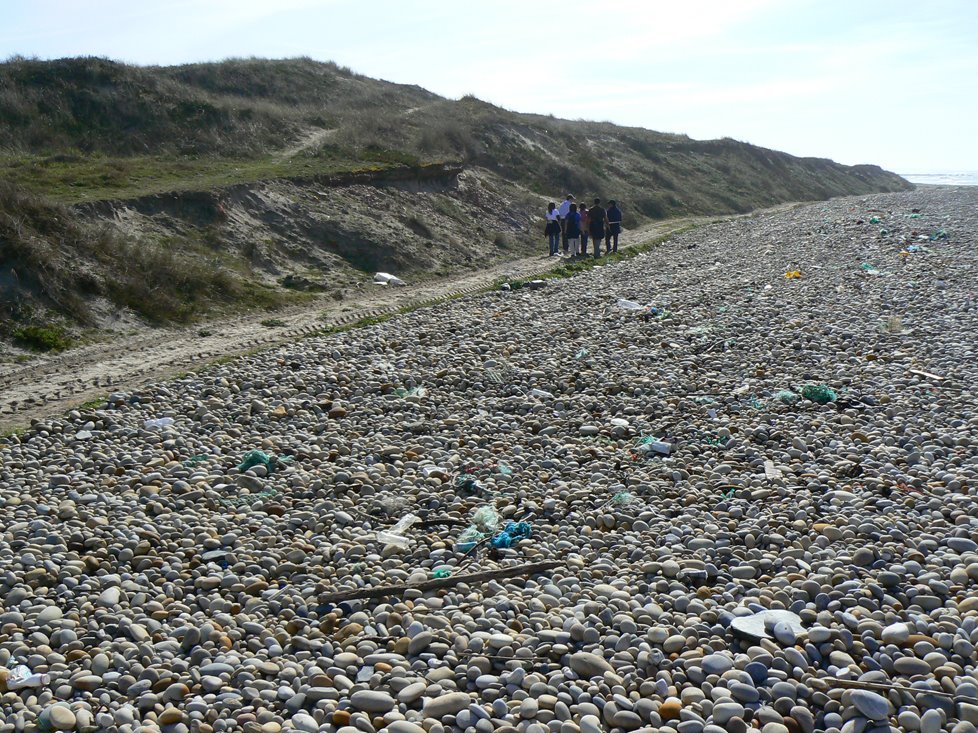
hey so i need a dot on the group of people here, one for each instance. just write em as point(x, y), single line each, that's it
point(572, 226)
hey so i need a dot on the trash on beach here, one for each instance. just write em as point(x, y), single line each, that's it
point(870, 270)
point(649, 446)
point(395, 535)
point(485, 519)
point(513, 532)
point(772, 472)
point(915, 216)
point(939, 235)
point(415, 393)
point(21, 676)
point(158, 422)
point(874, 220)
point(541, 394)
point(792, 274)
point(505, 287)
point(758, 625)
point(248, 499)
point(385, 278)
point(260, 458)
point(536, 284)
point(194, 460)
point(442, 573)
point(581, 354)
point(892, 325)
point(468, 538)
point(820, 393)
point(787, 397)
point(630, 305)
point(623, 498)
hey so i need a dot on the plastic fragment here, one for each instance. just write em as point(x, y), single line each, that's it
point(395, 535)
point(787, 397)
point(159, 422)
point(442, 573)
point(820, 393)
point(259, 457)
point(792, 274)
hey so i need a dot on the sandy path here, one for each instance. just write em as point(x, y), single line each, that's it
point(51, 385)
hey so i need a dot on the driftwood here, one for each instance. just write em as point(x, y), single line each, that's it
point(395, 590)
point(891, 687)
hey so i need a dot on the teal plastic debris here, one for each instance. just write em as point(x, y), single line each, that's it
point(442, 573)
point(194, 460)
point(247, 499)
point(820, 393)
point(939, 235)
point(787, 397)
point(874, 220)
point(468, 538)
point(623, 498)
point(513, 532)
point(261, 458)
point(581, 354)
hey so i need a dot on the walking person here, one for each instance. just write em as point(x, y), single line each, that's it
point(572, 227)
point(552, 230)
point(562, 214)
point(585, 223)
point(596, 219)
point(614, 227)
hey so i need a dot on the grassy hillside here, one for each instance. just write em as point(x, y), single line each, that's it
point(90, 130)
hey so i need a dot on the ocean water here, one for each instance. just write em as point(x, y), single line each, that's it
point(957, 178)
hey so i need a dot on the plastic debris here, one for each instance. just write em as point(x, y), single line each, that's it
point(939, 236)
point(395, 535)
point(485, 519)
point(468, 538)
point(787, 397)
point(792, 274)
point(385, 278)
point(772, 472)
point(649, 446)
point(623, 498)
point(757, 625)
point(194, 460)
point(247, 499)
point(21, 676)
point(874, 220)
point(820, 393)
point(415, 392)
point(442, 573)
point(915, 216)
point(581, 354)
point(513, 532)
point(158, 422)
point(630, 305)
point(259, 457)
point(541, 394)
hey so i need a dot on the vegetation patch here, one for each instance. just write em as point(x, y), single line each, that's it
point(41, 338)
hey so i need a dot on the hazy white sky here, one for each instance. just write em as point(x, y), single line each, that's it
point(891, 82)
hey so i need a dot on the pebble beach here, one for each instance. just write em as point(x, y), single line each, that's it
point(736, 475)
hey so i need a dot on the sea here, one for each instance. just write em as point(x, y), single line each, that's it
point(955, 178)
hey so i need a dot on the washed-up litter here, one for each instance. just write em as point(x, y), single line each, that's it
point(245, 499)
point(649, 446)
point(630, 305)
point(513, 532)
point(772, 472)
point(261, 458)
point(820, 393)
point(581, 354)
point(758, 625)
point(415, 392)
point(194, 460)
point(395, 535)
point(441, 573)
point(939, 235)
point(485, 519)
point(792, 274)
point(787, 397)
point(874, 220)
point(22, 676)
point(385, 278)
point(158, 422)
point(541, 394)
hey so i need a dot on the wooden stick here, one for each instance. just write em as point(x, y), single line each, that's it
point(884, 687)
point(391, 590)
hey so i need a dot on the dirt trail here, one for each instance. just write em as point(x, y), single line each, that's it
point(51, 385)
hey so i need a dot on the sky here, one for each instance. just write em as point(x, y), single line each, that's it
point(890, 82)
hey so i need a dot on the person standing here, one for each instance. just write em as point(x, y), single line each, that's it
point(573, 229)
point(585, 223)
point(596, 219)
point(552, 229)
point(562, 214)
point(614, 227)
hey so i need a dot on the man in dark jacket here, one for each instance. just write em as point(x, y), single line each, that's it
point(596, 218)
point(614, 227)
